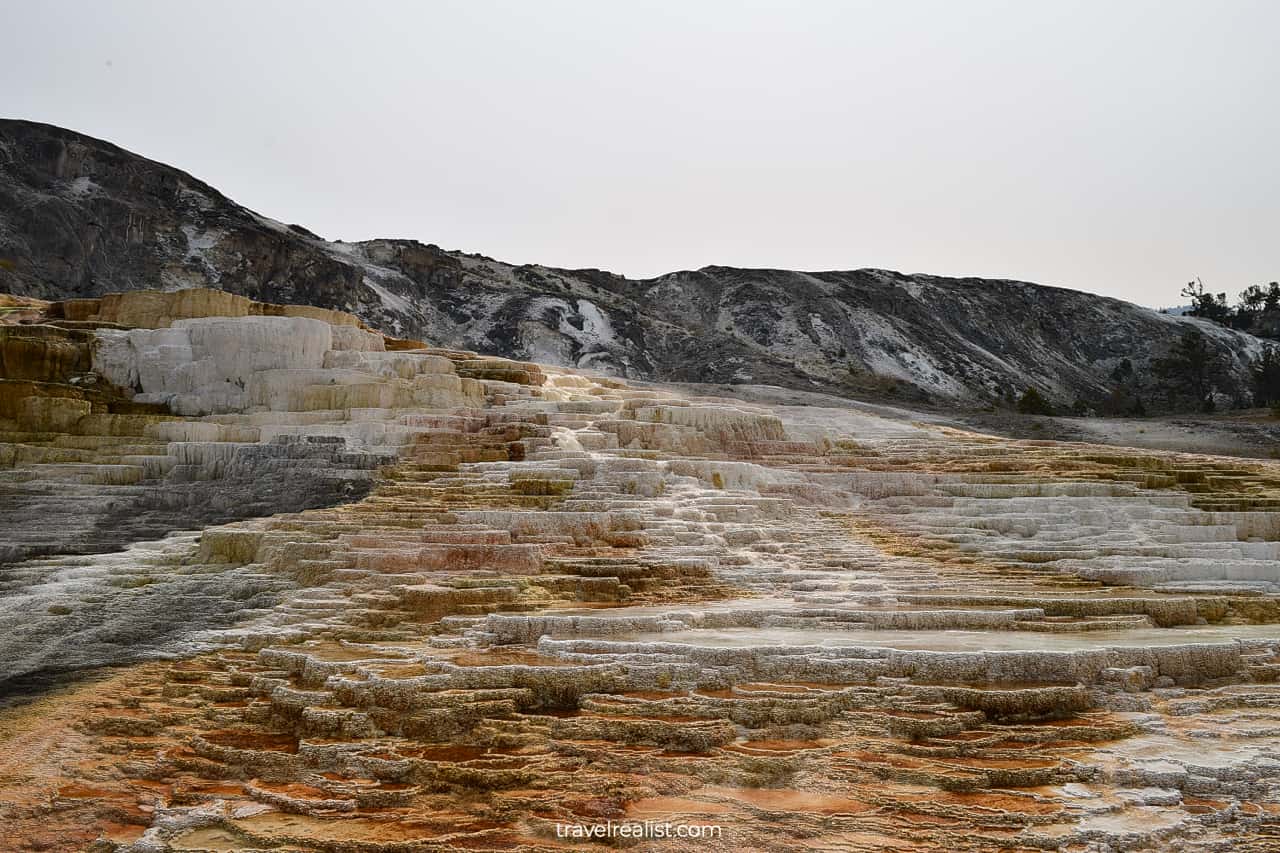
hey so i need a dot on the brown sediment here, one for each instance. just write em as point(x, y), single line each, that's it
point(564, 599)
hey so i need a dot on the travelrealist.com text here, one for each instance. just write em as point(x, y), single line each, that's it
point(637, 829)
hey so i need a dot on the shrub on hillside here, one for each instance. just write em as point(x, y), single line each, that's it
point(1032, 402)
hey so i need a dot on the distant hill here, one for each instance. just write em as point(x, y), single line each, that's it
point(81, 217)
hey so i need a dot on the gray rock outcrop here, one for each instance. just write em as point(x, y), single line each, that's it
point(81, 217)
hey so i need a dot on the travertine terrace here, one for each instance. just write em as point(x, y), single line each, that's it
point(272, 581)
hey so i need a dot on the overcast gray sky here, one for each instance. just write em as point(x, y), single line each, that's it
point(1116, 147)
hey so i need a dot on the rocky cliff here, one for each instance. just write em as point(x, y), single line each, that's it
point(82, 217)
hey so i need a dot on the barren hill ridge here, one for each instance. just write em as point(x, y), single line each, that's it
point(82, 217)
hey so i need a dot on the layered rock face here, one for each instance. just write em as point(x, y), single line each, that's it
point(81, 217)
point(363, 594)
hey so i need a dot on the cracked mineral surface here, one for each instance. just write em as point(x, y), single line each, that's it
point(272, 581)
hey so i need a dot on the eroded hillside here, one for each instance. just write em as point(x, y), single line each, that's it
point(80, 217)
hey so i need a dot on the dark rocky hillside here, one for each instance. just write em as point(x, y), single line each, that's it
point(81, 217)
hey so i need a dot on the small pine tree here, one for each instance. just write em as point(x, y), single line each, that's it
point(1032, 402)
point(1266, 377)
point(1191, 370)
point(1207, 305)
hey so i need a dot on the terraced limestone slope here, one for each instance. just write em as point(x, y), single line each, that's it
point(322, 590)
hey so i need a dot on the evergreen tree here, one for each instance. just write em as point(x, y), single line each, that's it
point(1207, 305)
point(1191, 371)
point(1266, 377)
point(1032, 402)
